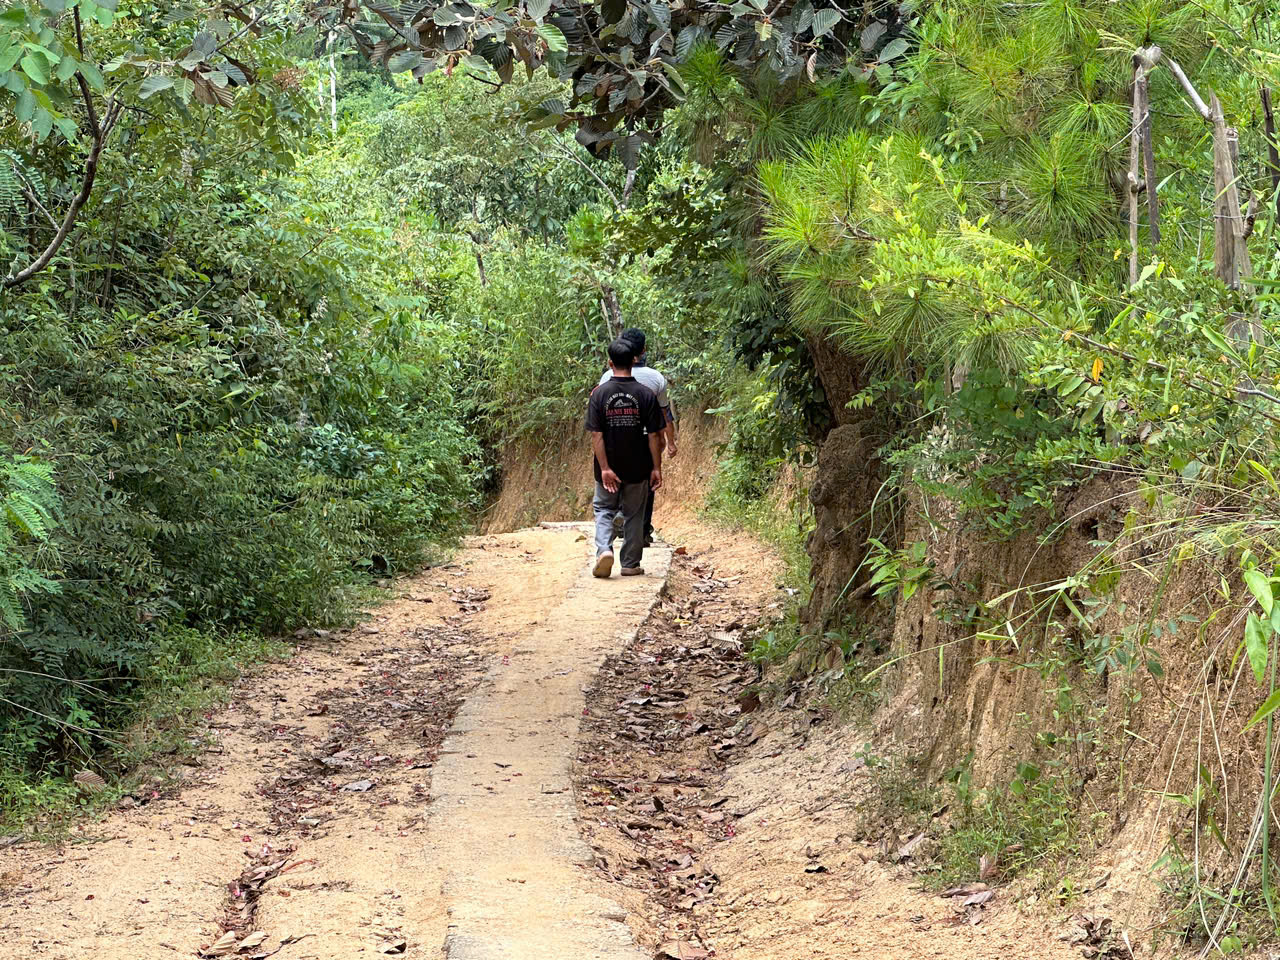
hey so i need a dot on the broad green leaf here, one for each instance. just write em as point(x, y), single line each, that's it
point(1260, 587)
point(25, 108)
point(14, 16)
point(1147, 272)
point(537, 9)
point(66, 69)
point(184, 87)
point(824, 21)
point(674, 75)
point(92, 75)
point(154, 84)
point(404, 60)
point(42, 123)
point(555, 40)
point(1268, 707)
point(1256, 637)
point(67, 127)
point(892, 50)
point(1218, 341)
point(34, 67)
point(10, 56)
point(478, 65)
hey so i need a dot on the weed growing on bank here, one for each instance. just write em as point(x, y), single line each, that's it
point(190, 675)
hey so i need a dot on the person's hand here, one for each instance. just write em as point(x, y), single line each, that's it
point(655, 479)
point(610, 480)
point(671, 448)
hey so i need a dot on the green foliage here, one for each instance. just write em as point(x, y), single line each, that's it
point(624, 60)
point(252, 407)
point(904, 570)
point(29, 512)
point(757, 486)
point(1028, 825)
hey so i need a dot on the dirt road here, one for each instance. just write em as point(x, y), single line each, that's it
point(508, 761)
point(346, 806)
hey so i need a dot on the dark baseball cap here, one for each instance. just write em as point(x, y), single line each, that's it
point(636, 338)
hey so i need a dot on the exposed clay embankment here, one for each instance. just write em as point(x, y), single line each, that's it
point(549, 478)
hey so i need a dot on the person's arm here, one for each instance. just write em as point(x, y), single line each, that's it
point(607, 476)
point(655, 449)
point(668, 420)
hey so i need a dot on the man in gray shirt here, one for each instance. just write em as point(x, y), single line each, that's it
point(656, 382)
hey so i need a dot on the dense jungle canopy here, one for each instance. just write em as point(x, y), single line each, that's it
point(280, 280)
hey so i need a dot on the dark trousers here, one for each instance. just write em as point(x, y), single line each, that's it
point(628, 501)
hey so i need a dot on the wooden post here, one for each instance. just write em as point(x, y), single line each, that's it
point(1135, 162)
point(1230, 247)
point(1273, 153)
point(1149, 155)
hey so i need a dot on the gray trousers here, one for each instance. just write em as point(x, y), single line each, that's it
point(629, 501)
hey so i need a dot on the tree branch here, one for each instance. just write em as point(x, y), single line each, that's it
point(580, 162)
point(100, 131)
point(1202, 108)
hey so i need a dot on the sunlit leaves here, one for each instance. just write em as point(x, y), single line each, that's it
point(154, 84)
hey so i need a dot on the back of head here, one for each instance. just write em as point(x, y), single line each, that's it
point(636, 338)
point(621, 355)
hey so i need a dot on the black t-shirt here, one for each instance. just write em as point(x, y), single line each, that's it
point(622, 409)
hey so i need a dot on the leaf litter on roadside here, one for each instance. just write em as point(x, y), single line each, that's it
point(666, 715)
point(409, 689)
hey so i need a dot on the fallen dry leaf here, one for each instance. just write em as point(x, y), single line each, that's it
point(965, 890)
point(908, 849)
point(226, 944)
point(396, 946)
point(680, 950)
point(89, 781)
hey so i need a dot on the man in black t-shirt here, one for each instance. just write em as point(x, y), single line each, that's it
point(625, 423)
